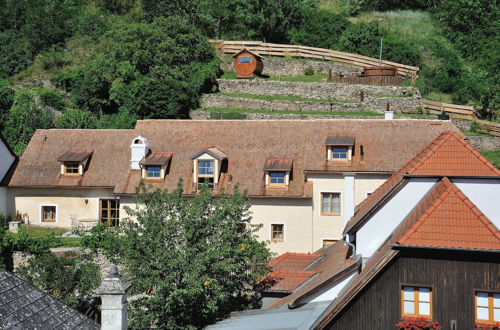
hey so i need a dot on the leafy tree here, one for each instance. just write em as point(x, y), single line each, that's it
point(162, 8)
point(75, 118)
point(6, 100)
point(319, 29)
point(71, 278)
point(362, 38)
point(24, 117)
point(191, 257)
point(121, 120)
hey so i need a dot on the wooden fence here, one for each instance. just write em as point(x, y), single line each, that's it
point(267, 49)
point(462, 112)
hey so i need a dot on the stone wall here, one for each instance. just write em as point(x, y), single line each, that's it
point(315, 90)
point(285, 67)
point(399, 104)
point(484, 143)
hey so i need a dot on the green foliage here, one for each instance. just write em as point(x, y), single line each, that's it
point(75, 118)
point(116, 6)
point(24, 117)
point(161, 8)
point(362, 38)
point(122, 120)
point(319, 29)
point(228, 115)
point(92, 22)
point(6, 99)
point(71, 278)
point(473, 127)
point(53, 59)
point(51, 98)
point(198, 256)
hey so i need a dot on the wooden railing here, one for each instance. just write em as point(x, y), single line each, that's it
point(462, 112)
point(267, 49)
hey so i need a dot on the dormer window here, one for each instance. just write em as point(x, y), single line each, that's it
point(153, 171)
point(339, 148)
point(154, 165)
point(207, 166)
point(277, 171)
point(75, 161)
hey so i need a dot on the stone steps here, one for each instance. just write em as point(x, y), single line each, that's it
point(402, 104)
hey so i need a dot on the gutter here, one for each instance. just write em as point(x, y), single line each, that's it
point(399, 246)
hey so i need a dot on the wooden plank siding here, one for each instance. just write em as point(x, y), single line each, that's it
point(453, 276)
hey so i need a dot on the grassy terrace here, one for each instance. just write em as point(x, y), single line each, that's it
point(493, 156)
point(282, 98)
point(294, 112)
point(37, 232)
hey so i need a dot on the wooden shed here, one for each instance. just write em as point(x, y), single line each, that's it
point(247, 64)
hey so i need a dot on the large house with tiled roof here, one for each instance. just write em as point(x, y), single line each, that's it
point(303, 177)
point(436, 259)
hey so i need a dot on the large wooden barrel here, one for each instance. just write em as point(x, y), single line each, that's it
point(380, 71)
point(247, 64)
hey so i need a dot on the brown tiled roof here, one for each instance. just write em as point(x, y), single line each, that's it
point(334, 264)
point(444, 218)
point(75, 155)
point(340, 140)
point(453, 221)
point(156, 158)
point(448, 155)
point(247, 145)
point(293, 261)
point(289, 280)
point(278, 164)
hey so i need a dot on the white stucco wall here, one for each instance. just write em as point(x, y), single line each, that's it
point(295, 214)
point(3, 201)
point(382, 224)
point(331, 226)
point(330, 292)
point(485, 194)
point(82, 204)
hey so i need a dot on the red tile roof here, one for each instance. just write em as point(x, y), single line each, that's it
point(293, 261)
point(447, 155)
point(453, 221)
point(289, 280)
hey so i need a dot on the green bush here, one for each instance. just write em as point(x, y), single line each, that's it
point(309, 71)
point(319, 29)
point(53, 59)
point(473, 127)
point(75, 118)
point(52, 99)
point(6, 99)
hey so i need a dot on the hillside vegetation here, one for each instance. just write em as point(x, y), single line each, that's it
point(105, 64)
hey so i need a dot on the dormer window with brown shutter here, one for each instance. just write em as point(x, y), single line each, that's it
point(75, 161)
point(154, 165)
point(339, 148)
point(277, 172)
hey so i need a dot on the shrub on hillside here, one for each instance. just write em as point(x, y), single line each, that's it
point(75, 118)
point(319, 28)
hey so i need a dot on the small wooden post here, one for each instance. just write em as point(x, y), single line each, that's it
point(361, 96)
point(329, 75)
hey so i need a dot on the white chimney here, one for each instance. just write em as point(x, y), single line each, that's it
point(388, 114)
point(113, 292)
point(138, 149)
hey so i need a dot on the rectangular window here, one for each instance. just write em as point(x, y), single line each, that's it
point(487, 307)
point(245, 59)
point(205, 167)
point(48, 213)
point(328, 241)
point(71, 168)
point(339, 153)
point(153, 172)
point(416, 302)
point(277, 232)
point(109, 211)
point(207, 181)
point(277, 177)
point(330, 203)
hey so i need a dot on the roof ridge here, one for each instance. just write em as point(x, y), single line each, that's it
point(432, 150)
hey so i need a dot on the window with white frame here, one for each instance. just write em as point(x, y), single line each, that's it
point(206, 173)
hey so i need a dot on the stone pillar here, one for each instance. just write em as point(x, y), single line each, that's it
point(14, 226)
point(113, 292)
